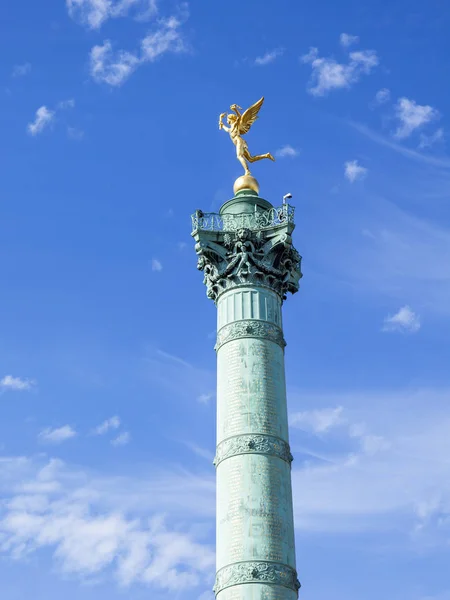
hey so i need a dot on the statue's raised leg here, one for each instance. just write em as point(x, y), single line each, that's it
point(253, 159)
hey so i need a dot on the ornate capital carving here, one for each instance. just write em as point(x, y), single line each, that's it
point(250, 328)
point(259, 253)
point(253, 443)
point(257, 572)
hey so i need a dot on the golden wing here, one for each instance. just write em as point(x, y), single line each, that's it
point(249, 117)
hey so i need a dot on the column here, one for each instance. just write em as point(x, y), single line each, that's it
point(249, 265)
point(255, 529)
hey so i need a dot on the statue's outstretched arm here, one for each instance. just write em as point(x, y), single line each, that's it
point(221, 125)
point(235, 108)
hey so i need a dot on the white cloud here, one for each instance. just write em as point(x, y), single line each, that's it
point(268, 57)
point(328, 74)
point(390, 484)
point(108, 425)
point(412, 116)
point(166, 38)
point(57, 436)
point(122, 439)
point(404, 320)
point(75, 134)
point(115, 68)
point(354, 171)
point(156, 265)
point(205, 398)
point(324, 420)
point(348, 40)
point(44, 117)
point(86, 523)
point(21, 70)
point(202, 452)
point(174, 375)
point(405, 257)
point(286, 151)
point(15, 384)
point(90, 12)
point(110, 69)
point(93, 13)
point(70, 103)
point(400, 148)
point(426, 141)
point(382, 96)
point(317, 421)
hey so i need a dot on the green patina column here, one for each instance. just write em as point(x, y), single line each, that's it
point(249, 264)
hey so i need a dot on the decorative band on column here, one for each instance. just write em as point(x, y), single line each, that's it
point(253, 443)
point(250, 328)
point(256, 572)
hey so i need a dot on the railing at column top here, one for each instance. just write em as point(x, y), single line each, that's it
point(257, 220)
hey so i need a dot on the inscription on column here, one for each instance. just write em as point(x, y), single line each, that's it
point(255, 510)
point(251, 390)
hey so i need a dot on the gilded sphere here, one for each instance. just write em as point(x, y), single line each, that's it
point(246, 182)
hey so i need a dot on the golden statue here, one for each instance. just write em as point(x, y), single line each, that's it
point(239, 125)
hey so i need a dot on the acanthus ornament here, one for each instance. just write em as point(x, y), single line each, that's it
point(260, 256)
point(257, 572)
point(250, 328)
point(253, 444)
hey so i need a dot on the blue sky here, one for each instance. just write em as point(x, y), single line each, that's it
point(109, 142)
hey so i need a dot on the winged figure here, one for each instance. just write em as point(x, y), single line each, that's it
point(239, 124)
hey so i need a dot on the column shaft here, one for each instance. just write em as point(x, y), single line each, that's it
point(255, 529)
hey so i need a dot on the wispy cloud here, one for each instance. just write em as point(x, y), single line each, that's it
point(328, 420)
point(269, 57)
point(58, 435)
point(412, 116)
point(109, 68)
point(392, 480)
point(328, 74)
point(382, 96)
point(93, 13)
point(348, 40)
point(205, 398)
point(202, 452)
point(110, 424)
point(405, 320)
point(122, 439)
point(74, 133)
point(21, 70)
point(399, 148)
point(64, 104)
point(15, 384)
point(114, 68)
point(426, 141)
point(180, 376)
point(156, 265)
point(404, 257)
point(354, 171)
point(317, 421)
point(286, 151)
point(44, 118)
point(86, 523)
